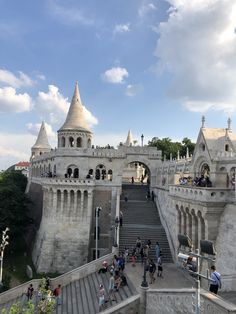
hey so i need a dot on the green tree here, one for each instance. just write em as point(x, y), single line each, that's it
point(13, 204)
point(168, 147)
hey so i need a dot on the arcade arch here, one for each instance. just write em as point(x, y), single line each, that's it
point(136, 172)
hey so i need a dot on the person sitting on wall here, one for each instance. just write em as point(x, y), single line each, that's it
point(104, 267)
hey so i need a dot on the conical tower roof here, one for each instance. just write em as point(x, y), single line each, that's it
point(130, 140)
point(75, 119)
point(42, 139)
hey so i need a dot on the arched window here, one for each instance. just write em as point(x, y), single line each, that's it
point(71, 141)
point(63, 141)
point(79, 142)
point(89, 142)
point(109, 177)
point(100, 172)
point(69, 172)
point(226, 147)
point(76, 173)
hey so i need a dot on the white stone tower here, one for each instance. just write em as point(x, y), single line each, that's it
point(75, 132)
point(41, 145)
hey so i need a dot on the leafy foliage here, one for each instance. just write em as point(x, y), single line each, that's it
point(13, 203)
point(168, 147)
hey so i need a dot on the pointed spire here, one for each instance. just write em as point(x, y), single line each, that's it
point(76, 117)
point(42, 139)
point(229, 124)
point(129, 140)
point(203, 122)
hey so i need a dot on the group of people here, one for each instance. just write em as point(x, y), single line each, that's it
point(116, 281)
point(45, 292)
point(203, 181)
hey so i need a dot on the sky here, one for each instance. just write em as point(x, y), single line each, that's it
point(154, 67)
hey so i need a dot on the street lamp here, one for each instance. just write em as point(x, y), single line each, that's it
point(5, 237)
point(116, 227)
point(97, 210)
point(144, 283)
point(142, 136)
point(206, 247)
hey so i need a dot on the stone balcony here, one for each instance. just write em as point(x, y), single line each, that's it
point(202, 194)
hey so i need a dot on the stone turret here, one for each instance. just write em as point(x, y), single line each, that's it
point(41, 145)
point(75, 132)
point(129, 140)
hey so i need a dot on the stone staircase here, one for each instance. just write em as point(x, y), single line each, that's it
point(81, 296)
point(141, 219)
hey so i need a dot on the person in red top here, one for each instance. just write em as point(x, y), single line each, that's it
point(57, 293)
point(30, 292)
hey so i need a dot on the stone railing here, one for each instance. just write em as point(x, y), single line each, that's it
point(63, 181)
point(200, 194)
point(64, 279)
point(179, 301)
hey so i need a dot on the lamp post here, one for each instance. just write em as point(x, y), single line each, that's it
point(142, 136)
point(97, 210)
point(206, 247)
point(144, 283)
point(5, 237)
point(116, 227)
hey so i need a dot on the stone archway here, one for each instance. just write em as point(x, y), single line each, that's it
point(136, 172)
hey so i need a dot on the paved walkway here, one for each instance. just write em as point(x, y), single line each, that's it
point(172, 277)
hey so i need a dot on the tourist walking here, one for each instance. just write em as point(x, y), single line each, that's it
point(138, 245)
point(215, 280)
point(30, 292)
point(101, 296)
point(157, 250)
point(111, 291)
point(121, 218)
point(57, 294)
point(159, 266)
point(151, 269)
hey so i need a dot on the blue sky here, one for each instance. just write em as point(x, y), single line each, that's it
point(154, 67)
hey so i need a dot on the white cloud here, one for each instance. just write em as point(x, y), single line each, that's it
point(69, 15)
point(8, 78)
point(145, 8)
point(10, 101)
point(55, 106)
point(132, 90)
point(197, 46)
point(121, 28)
point(15, 148)
point(115, 75)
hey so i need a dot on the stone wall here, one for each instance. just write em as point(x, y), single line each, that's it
point(225, 247)
point(179, 301)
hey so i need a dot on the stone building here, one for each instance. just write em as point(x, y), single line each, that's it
point(72, 180)
point(75, 178)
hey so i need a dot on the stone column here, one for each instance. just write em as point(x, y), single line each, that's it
point(90, 204)
point(82, 202)
point(62, 203)
point(68, 207)
point(54, 204)
point(75, 204)
point(143, 299)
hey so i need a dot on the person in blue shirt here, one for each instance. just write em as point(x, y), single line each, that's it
point(215, 280)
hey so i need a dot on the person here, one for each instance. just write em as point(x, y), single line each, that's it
point(126, 255)
point(121, 218)
point(57, 294)
point(138, 245)
point(104, 267)
point(153, 196)
point(30, 292)
point(132, 179)
point(149, 243)
point(101, 296)
point(133, 258)
point(126, 199)
point(215, 280)
point(111, 288)
point(157, 250)
point(159, 266)
point(118, 280)
point(152, 269)
point(148, 196)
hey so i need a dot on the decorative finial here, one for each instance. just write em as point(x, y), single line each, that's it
point(203, 122)
point(187, 153)
point(229, 123)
